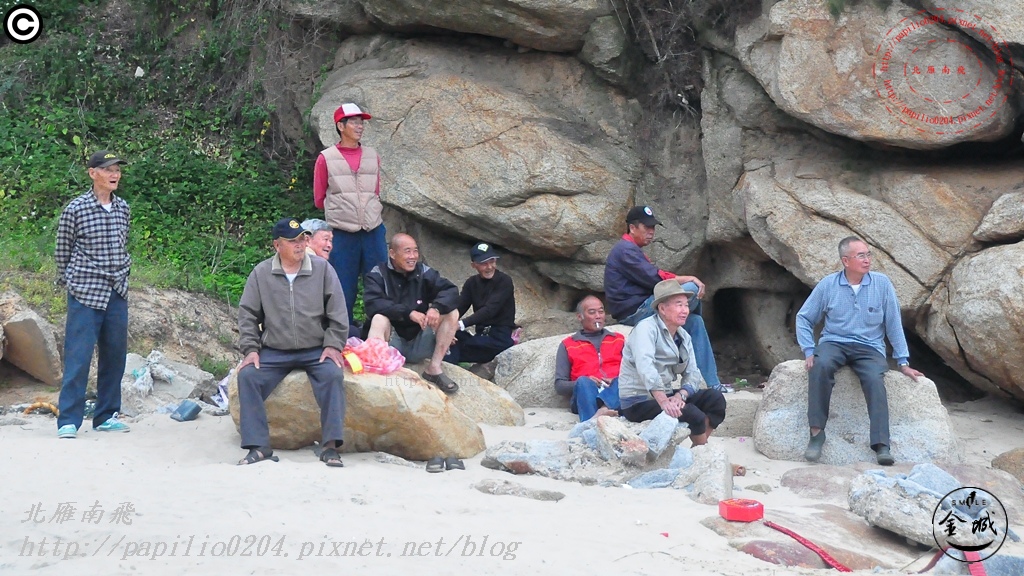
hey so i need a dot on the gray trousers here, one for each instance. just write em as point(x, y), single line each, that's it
point(870, 367)
point(255, 386)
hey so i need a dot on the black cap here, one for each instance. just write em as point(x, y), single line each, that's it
point(288, 228)
point(643, 215)
point(482, 252)
point(104, 158)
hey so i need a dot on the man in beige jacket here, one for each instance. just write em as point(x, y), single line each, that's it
point(291, 316)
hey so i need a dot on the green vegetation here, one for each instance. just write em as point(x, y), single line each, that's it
point(202, 181)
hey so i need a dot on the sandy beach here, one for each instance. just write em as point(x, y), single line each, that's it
point(174, 502)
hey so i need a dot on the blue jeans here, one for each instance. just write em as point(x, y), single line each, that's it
point(355, 254)
point(694, 327)
point(85, 329)
point(585, 396)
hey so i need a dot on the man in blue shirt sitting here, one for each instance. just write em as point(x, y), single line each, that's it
point(860, 309)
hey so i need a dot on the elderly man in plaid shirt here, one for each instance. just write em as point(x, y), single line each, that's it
point(860, 309)
point(93, 265)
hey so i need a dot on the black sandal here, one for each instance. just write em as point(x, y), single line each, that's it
point(435, 464)
point(442, 381)
point(258, 455)
point(453, 463)
point(330, 457)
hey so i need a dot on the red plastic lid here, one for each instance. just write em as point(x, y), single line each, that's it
point(741, 510)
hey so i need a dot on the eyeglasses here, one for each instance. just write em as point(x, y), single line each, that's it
point(354, 121)
point(861, 256)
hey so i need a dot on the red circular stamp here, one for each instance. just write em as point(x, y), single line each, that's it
point(937, 83)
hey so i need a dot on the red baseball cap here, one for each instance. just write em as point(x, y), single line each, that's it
point(348, 111)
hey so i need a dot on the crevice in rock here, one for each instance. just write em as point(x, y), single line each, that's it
point(952, 387)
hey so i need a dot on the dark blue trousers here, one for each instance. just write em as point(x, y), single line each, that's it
point(355, 254)
point(870, 367)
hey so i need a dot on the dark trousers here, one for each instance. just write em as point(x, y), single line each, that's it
point(870, 367)
point(355, 254)
point(705, 403)
point(86, 330)
point(255, 386)
point(480, 347)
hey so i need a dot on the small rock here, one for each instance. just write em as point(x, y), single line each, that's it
point(615, 440)
point(762, 488)
point(654, 479)
point(12, 421)
point(1012, 462)
point(659, 434)
point(508, 488)
point(682, 459)
point(385, 458)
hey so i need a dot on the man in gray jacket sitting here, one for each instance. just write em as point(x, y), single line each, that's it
point(659, 372)
point(292, 315)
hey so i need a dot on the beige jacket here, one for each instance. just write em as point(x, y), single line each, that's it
point(307, 313)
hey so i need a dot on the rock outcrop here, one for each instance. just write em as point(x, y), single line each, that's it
point(846, 75)
point(526, 150)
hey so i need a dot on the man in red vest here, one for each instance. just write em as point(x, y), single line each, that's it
point(587, 364)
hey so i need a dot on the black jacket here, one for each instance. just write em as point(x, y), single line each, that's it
point(393, 294)
point(493, 301)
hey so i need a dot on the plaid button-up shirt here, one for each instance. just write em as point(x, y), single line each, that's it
point(92, 257)
point(862, 318)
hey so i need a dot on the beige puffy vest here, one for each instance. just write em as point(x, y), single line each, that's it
point(352, 203)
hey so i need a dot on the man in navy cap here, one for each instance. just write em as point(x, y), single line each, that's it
point(492, 297)
point(629, 281)
point(346, 185)
point(291, 316)
point(93, 264)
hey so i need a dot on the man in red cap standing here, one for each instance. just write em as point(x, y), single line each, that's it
point(346, 185)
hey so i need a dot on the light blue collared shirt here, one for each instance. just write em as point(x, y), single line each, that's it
point(862, 318)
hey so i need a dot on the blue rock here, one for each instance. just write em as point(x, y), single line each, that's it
point(682, 459)
point(590, 439)
point(935, 479)
point(579, 429)
point(662, 478)
point(659, 433)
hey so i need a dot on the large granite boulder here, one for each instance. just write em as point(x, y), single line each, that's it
point(400, 414)
point(481, 400)
point(918, 423)
point(551, 25)
point(975, 319)
point(528, 151)
point(1012, 462)
point(845, 75)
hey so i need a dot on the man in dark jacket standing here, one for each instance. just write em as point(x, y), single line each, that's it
point(292, 315)
point(413, 308)
point(491, 294)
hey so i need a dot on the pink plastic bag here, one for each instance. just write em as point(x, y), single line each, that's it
point(376, 355)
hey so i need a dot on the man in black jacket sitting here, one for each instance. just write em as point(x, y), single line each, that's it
point(492, 296)
point(412, 308)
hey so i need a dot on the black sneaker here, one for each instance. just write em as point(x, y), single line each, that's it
point(813, 452)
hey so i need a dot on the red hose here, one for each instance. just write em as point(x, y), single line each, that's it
point(812, 546)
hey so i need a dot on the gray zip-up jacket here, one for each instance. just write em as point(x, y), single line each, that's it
point(307, 313)
point(649, 362)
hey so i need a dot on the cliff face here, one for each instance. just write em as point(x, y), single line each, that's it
point(898, 125)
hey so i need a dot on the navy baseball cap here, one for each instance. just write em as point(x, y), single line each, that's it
point(288, 228)
point(643, 215)
point(482, 252)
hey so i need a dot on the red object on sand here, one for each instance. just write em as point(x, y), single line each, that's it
point(741, 510)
